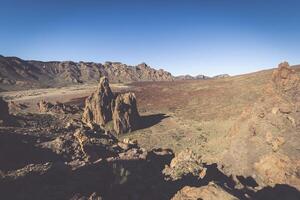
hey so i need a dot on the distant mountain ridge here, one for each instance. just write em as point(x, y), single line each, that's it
point(200, 77)
point(16, 73)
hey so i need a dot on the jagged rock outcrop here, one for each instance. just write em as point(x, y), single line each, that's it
point(286, 81)
point(208, 192)
point(4, 114)
point(185, 163)
point(102, 106)
point(125, 113)
point(285, 78)
point(98, 106)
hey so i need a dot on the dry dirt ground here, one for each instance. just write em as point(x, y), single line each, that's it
point(62, 94)
point(195, 113)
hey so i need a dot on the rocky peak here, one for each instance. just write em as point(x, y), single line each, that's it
point(142, 66)
point(98, 108)
point(125, 114)
point(103, 86)
point(102, 106)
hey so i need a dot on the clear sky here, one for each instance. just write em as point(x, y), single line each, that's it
point(184, 37)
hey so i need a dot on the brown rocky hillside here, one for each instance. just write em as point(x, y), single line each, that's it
point(16, 73)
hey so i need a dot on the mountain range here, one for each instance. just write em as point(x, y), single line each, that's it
point(19, 74)
point(16, 73)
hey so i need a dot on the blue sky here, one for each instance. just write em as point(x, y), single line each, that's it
point(184, 37)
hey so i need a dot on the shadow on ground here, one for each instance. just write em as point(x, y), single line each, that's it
point(122, 180)
point(17, 151)
point(151, 120)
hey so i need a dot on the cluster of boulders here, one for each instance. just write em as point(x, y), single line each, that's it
point(103, 106)
point(48, 107)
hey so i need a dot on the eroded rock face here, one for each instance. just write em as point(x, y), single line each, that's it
point(186, 162)
point(286, 79)
point(98, 106)
point(4, 114)
point(125, 114)
point(208, 192)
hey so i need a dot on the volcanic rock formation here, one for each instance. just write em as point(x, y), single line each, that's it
point(285, 78)
point(102, 107)
point(98, 106)
point(287, 82)
point(125, 114)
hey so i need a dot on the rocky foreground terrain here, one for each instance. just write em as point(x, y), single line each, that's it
point(16, 73)
point(230, 138)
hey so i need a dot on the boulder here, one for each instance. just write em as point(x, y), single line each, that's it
point(208, 192)
point(185, 163)
point(98, 106)
point(125, 113)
